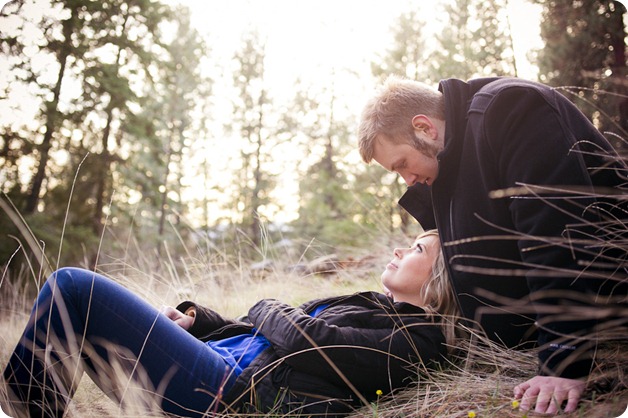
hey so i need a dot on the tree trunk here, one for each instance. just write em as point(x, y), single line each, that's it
point(103, 175)
point(164, 194)
point(51, 118)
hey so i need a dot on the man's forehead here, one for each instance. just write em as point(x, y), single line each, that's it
point(384, 153)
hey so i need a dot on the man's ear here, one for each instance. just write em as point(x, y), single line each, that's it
point(423, 124)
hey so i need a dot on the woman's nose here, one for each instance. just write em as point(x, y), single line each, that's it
point(398, 252)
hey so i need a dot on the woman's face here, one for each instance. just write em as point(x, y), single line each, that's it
point(410, 269)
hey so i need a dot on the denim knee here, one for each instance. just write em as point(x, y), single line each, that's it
point(69, 280)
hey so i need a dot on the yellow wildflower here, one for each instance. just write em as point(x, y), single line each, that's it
point(515, 404)
point(378, 392)
point(471, 414)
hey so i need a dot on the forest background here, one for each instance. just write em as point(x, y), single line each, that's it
point(167, 145)
point(130, 128)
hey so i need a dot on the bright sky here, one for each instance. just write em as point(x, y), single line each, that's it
point(339, 33)
point(311, 39)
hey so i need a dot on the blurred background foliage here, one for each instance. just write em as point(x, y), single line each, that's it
point(130, 148)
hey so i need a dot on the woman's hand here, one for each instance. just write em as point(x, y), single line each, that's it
point(548, 394)
point(184, 320)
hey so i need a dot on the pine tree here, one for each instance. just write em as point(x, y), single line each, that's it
point(326, 203)
point(474, 41)
point(408, 53)
point(65, 47)
point(180, 83)
point(124, 33)
point(103, 60)
point(251, 123)
point(585, 52)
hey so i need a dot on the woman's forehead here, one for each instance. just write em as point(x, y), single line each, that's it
point(426, 239)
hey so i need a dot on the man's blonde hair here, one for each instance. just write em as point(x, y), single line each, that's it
point(388, 114)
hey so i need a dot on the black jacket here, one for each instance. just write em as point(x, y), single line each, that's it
point(503, 249)
point(359, 343)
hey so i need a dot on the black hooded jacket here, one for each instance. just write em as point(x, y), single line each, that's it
point(328, 364)
point(515, 259)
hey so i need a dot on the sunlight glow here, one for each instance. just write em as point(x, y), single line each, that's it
point(326, 43)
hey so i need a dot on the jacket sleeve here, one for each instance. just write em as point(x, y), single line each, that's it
point(372, 357)
point(532, 139)
point(209, 323)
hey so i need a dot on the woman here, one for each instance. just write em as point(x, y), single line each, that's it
point(325, 357)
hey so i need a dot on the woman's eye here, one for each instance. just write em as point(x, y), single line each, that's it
point(419, 248)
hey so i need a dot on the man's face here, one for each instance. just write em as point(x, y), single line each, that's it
point(411, 164)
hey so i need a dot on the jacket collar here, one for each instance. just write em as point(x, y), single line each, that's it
point(458, 95)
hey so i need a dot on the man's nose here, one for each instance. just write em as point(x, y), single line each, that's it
point(410, 179)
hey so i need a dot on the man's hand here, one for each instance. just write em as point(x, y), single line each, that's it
point(548, 394)
point(184, 320)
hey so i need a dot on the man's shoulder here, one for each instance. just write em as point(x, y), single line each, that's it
point(482, 91)
point(508, 94)
point(498, 85)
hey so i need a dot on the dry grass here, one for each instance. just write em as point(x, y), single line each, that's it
point(214, 280)
point(481, 379)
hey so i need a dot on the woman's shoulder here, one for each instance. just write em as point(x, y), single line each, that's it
point(379, 301)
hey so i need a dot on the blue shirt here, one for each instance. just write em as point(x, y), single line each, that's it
point(241, 350)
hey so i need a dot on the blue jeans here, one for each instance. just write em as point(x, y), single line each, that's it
point(83, 321)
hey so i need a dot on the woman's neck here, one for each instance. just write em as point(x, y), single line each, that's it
point(411, 299)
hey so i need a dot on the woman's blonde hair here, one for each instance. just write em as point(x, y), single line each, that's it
point(438, 294)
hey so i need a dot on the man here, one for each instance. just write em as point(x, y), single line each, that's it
point(509, 172)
